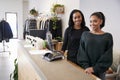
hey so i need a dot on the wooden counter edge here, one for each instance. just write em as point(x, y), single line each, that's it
point(75, 65)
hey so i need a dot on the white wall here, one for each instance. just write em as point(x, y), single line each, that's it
point(25, 10)
point(10, 6)
point(44, 6)
point(111, 9)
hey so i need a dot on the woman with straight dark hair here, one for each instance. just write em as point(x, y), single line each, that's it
point(76, 26)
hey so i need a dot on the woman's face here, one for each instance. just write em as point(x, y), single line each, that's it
point(95, 22)
point(77, 18)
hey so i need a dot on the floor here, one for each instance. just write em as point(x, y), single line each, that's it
point(7, 58)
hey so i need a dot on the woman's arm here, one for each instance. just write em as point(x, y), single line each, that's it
point(82, 57)
point(65, 41)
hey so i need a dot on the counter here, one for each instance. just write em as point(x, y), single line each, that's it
point(34, 67)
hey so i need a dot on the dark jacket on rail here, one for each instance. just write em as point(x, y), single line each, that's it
point(5, 31)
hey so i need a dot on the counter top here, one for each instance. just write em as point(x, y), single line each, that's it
point(55, 70)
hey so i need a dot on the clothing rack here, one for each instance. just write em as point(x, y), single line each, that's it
point(3, 37)
point(41, 23)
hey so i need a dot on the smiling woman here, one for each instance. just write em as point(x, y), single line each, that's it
point(96, 59)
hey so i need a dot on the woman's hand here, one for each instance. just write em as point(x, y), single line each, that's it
point(89, 70)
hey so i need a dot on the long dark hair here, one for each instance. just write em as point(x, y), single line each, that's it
point(101, 16)
point(71, 23)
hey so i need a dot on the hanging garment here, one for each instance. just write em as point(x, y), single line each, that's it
point(0, 34)
point(5, 31)
point(29, 24)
